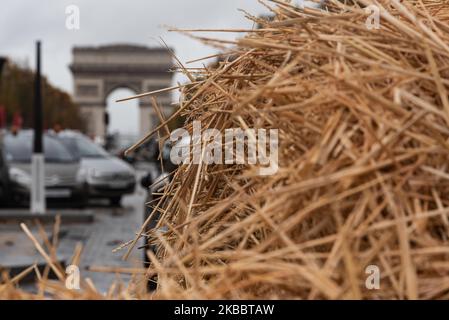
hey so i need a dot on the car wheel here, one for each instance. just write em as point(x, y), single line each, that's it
point(115, 201)
point(82, 203)
point(3, 198)
point(79, 201)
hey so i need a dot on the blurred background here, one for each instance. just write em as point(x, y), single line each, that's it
point(108, 23)
point(93, 53)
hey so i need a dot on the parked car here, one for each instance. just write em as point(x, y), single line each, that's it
point(61, 170)
point(116, 144)
point(155, 182)
point(104, 175)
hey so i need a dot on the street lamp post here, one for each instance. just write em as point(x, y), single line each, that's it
point(2, 109)
point(2, 63)
point(38, 205)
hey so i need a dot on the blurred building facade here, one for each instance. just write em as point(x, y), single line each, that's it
point(98, 71)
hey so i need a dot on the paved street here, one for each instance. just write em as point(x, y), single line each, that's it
point(111, 228)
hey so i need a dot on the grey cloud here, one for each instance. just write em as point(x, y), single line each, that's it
point(112, 21)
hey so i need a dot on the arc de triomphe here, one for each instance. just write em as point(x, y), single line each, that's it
point(98, 71)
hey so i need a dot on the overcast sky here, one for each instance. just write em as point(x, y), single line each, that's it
point(112, 21)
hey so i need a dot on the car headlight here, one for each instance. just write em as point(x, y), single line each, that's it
point(96, 174)
point(100, 174)
point(88, 175)
point(20, 177)
point(81, 176)
point(130, 175)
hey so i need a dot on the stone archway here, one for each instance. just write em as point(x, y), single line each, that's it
point(97, 71)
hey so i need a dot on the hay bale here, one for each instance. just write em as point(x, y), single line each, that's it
point(363, 181)
point(363, 117)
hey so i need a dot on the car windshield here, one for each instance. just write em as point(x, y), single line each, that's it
point(83, 147)
point(18, 148)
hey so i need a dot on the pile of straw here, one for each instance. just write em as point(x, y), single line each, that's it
point(363, 119)
point(363, 183)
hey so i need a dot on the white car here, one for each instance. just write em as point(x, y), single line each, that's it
point(105, 175)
